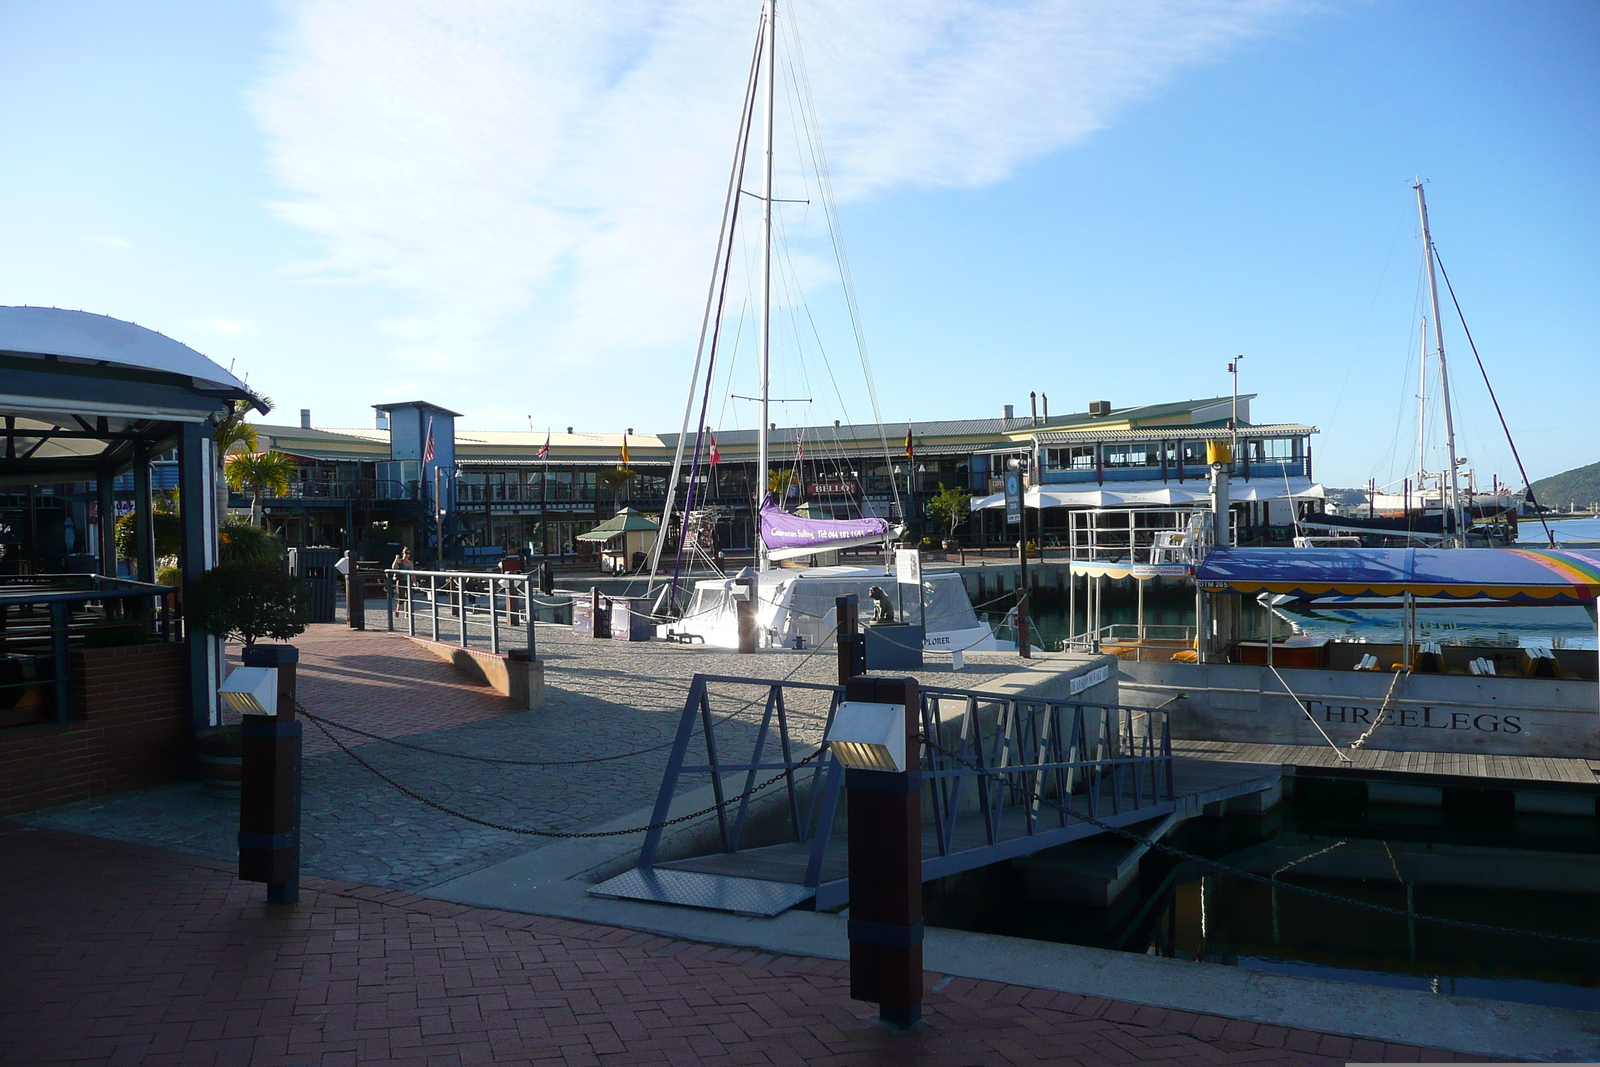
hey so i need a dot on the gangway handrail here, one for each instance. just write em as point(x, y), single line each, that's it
point(1049, 759)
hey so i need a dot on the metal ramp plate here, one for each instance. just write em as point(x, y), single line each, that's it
point(718, 892)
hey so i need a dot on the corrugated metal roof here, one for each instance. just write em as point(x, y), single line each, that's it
point(84, 335)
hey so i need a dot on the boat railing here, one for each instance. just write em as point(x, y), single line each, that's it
point(1126, 640)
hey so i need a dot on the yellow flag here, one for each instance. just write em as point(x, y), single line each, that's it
point(624, 450)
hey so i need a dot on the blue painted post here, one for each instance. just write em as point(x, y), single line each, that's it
point(269, 795)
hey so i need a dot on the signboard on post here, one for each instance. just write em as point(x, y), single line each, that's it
point(907, 566)
point(1013, 497)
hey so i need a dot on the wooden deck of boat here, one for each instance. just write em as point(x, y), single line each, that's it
point(1455, 764)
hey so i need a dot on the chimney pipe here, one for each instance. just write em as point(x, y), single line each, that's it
point(1046, 398)
point(1033, 406)
point(1010, 412)
point(305, 418)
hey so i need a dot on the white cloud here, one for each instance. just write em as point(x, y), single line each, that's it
point(554, 170)
point(109, 240)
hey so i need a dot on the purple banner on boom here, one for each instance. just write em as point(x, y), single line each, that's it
point(783, 532)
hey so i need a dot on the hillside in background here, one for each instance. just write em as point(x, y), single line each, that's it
point(1581, 485)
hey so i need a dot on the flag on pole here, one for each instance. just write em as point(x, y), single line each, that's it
point(427, 448)
point(910, 448)
point(624, 450)
point(544, 449)
point(716, 453)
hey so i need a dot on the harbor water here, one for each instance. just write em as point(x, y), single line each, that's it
point(1539, 875)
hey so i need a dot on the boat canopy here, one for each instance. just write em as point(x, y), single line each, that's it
point(1134, 494)
point(1097, 568)
point(1511, 574)
point(788, 536)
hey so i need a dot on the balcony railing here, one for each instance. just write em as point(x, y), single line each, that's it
point(45, 617)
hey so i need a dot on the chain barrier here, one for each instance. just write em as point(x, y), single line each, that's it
point(1251, 876)
point(529, 831)
point(323, 724)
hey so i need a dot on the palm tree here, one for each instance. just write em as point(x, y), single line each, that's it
point(779, 483)
point(230, 432)
point(614, 478)
point(258, 472)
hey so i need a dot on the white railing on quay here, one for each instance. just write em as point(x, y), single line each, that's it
point(483, 599)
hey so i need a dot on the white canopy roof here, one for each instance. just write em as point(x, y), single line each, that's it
point(83, 335)
point(1155, 494)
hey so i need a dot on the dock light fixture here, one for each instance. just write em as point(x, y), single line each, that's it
point(869, 737)
point(252, 691)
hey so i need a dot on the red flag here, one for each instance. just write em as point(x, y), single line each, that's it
point(716, 454)
point(544, 449)
point(910, 448)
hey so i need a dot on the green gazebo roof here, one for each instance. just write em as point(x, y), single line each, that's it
point(625, 521)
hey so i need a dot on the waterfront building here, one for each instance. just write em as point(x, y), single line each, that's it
point(536, 493)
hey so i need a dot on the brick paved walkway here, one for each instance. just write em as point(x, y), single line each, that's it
point(606, 698)
point(122, 954)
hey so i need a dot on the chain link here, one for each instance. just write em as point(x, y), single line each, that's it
point(317, 721)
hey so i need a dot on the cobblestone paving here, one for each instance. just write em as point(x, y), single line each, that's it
point(605, 698)
point(121, 954)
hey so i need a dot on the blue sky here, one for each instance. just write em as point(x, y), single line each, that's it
point(508, 208)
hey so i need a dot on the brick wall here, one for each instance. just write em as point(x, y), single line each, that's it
point(130, 730)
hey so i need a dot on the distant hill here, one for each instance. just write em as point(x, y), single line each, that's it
point(1580, 485)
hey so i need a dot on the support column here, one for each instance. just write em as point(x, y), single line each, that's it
point(144, 522)
point(197, 487)
point(106, 500)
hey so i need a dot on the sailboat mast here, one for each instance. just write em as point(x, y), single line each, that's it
point(762, 563)
point(1444, 373)
point(1422, 415)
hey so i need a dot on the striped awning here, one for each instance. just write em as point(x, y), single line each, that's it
point(1514, 574)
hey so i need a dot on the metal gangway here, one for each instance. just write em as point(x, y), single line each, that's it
point(1002, 777)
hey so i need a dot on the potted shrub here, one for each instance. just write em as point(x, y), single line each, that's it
point(221, 752)
point(248, 601)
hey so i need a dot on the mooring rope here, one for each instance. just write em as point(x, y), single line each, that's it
point(1383, 712)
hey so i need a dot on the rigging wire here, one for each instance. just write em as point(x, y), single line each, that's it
point(1549, 536)
point(831, 213)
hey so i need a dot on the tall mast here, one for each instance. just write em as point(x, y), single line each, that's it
point(766, 276)
point(1422, 415)
point(1444, 373)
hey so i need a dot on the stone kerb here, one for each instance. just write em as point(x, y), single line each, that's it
point(511, 674)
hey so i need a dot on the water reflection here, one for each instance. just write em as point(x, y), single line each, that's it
point(1536, 875)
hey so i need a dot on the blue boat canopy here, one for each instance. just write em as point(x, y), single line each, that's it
point(1542, 576)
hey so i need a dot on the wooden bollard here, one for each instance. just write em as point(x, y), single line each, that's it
point(885, 885)
point(269, 789)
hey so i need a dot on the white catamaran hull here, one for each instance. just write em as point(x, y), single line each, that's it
point(795, 609)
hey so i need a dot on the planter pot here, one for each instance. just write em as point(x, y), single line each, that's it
point(220, 753)
point(952, 545)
